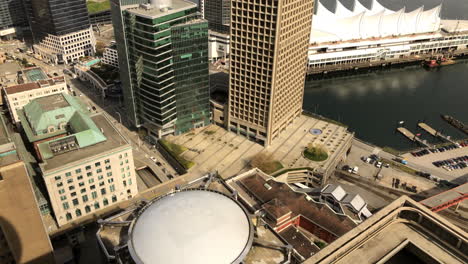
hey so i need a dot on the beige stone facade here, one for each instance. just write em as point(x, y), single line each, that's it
point(269, 41)
point(90, 184)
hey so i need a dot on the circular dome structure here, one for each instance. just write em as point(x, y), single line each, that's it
point(191, 226)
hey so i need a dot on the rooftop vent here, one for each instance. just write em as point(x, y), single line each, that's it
point(63, 145)
point(145, 6)
point(163, 5)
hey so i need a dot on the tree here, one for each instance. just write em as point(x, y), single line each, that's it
point(100, 47)
point(265, 162)
point(315, 152)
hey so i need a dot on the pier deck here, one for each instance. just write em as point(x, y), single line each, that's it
point(373, 64)
point(434, 132)
point(412, 136)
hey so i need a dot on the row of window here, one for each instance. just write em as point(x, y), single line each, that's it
point(96, 206)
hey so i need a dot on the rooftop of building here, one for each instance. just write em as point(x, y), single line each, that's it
point(405, 229)
point(94, 145)
point(34, 74)
point(163, 8)
point(53, 110)
point(9, 68)
point(296, 202)
point(378, 23)
point(8, 153)
point(34, 85)
point(115, 236)
point(447, 196)
point(161, 229)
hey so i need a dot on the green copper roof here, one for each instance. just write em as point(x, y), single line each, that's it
point(51, 110)
point(54, 110)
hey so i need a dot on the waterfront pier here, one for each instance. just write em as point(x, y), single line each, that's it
point(434, 132)
point(412, 136)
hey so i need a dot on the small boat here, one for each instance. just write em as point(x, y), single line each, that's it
point(431, 63)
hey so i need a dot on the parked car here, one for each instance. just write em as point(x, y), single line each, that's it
point(355, 170)
point(153, 159)
point(378, 164)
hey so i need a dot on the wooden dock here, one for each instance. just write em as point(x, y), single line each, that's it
point(383, 63)
point(434, 132)
point(412, 136)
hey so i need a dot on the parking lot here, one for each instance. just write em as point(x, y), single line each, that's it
point(429, 157)
point(387, 176)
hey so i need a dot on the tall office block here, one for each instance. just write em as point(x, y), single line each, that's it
point(163, 58)
point(269, 41)
point(218, 14)
point(12, 18)
point(61, 29)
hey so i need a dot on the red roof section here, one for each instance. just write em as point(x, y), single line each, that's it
point(21, 88)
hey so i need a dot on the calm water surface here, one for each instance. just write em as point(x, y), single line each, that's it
point(372, 104)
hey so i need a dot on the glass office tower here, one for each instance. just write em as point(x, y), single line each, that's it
point(12, 14)
point(163, 52)
point(57, 17)
point(61, 29)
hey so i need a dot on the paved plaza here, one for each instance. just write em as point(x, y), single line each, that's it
point(214, 148)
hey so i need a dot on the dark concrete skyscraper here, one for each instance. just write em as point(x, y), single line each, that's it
point(218, 14)
point(12, 17)
point(61, 29)
point(163, 60)
point(269, 41)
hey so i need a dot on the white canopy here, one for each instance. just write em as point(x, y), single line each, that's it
point(376, 21)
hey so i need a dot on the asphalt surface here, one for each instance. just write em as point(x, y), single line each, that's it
point(375, 150)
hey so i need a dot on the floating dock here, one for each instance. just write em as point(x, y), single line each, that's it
point(455, 123)
point(434, 132)
point(412, 136)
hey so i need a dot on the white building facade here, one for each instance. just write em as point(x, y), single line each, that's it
point(377, 33)
point(218, 46)
point(110, 56)
point(66, 48)
point(19, 95)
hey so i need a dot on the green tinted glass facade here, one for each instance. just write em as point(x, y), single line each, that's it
point(190, 55)
point(167, 58)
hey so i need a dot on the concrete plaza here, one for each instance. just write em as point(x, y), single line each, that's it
point(214, 148)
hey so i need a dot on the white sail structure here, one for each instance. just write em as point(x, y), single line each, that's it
point(374, 22)
point(341, 11)
point(359, 8)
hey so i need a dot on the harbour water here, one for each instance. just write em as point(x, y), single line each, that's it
point(372, 103)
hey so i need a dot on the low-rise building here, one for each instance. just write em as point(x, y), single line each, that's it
point(8, 76)
point(41, 85)
point(85, 162)
point(218, 45)
point(23, 238)
point(110, 55)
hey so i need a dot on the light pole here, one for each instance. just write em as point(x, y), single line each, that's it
point(120, 117)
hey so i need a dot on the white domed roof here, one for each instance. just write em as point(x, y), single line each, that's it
point(193, 226)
